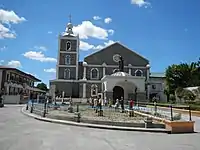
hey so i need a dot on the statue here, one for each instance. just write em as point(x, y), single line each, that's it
point(121, 64)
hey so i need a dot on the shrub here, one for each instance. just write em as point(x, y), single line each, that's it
point(195, 107)
point(188, 95)
point(172, 98)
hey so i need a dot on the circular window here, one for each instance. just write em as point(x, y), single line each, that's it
point(116, 58)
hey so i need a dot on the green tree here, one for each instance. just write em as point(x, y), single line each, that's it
point(180, 93)
point(182, 75)
point(42, 86)
point(166, 92)
point(188, 95)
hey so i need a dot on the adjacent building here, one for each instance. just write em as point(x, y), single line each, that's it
point(16, 82)
point(99, 75)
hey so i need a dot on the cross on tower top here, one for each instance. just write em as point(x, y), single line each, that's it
point(70, 18)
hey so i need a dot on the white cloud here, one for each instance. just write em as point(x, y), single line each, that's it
point(14, 63)
point(49, 32)
point(85, 46)
point(96, 18)
point(141, 3)
point(43, 48)
point(87, 29)
point(6, 32)
point(50, 70)
point(108, 20)
point(1, 62)
point(111, 31)
point(8, 17)
point(105, 44)
point(3, 48)
point(39, 56)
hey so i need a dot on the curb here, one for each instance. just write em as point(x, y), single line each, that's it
point(92, 125)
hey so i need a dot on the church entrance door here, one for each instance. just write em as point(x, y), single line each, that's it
point(118, 92)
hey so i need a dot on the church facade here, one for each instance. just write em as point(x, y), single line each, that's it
point(99, 74)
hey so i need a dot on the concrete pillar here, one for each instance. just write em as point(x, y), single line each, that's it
point(104, 71)
point(129, 68)
point(84, 90)
point(148, 86)
point(7, 88)
point(129, 71)
point(84, 72)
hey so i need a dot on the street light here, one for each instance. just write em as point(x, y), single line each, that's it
point(136, 96)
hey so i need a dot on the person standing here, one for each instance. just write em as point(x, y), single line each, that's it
point(131, 104)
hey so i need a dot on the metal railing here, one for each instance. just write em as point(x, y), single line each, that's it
point(170, 112)
point(158, 110)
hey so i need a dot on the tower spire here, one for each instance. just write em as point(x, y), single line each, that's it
point(69, 25)
point(70, 18)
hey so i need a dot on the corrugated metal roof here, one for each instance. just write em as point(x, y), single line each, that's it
point(10, 68)
point(157, 75)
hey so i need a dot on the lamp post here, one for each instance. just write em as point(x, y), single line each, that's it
point(136, 96)
point(63, 95)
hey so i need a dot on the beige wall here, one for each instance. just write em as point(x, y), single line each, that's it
point(11, 99)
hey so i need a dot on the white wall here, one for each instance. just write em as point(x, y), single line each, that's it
point(138, 82)
point(11, 99)
point(159, 83)
point(160, 86)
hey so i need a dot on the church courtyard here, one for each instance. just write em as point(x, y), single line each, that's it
point(18, 132)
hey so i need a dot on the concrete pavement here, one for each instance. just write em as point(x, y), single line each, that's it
point(18, 132)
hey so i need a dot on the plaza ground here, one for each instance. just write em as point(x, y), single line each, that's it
point(19, 132)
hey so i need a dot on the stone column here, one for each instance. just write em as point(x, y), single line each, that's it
point(7, 88)
point(84, 70)
point(129, 69)
point(104, 69)
point(84, 90)
point(148, 86)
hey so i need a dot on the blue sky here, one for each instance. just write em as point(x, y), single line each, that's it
point(163, 31)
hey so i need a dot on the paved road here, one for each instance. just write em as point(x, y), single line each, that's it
point(19, 132)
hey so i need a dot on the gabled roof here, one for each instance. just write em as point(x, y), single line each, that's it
point(115, 43)
point(15, 69)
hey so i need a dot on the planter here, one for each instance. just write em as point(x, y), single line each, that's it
point(180, 126)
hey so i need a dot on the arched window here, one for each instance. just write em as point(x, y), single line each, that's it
point(68, 46)
point(67, 74)
point(138, 73)
point(94, 90)
point(115, 70)
point(94, 73)
point(67, 60)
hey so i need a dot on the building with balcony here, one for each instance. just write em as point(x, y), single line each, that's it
point(16, 82)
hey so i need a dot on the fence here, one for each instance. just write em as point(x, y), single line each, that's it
point(169, 113)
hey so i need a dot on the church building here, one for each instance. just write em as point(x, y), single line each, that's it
point(99, 74)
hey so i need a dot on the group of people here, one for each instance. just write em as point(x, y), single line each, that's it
point(98, 102)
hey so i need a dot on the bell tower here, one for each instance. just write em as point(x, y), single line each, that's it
point(68, 54)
